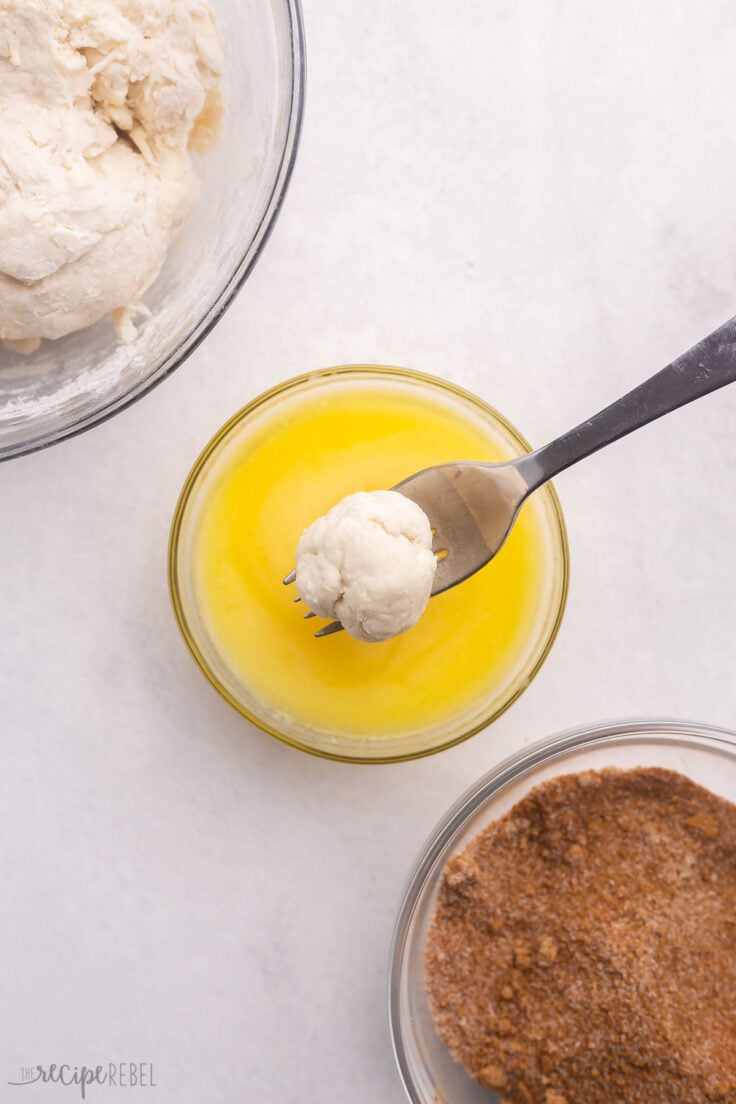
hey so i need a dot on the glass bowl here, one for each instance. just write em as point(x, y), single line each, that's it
point(413, 734)
point(71, 384)
point(706, 755)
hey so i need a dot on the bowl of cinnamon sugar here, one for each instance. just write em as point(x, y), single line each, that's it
point(568, 935)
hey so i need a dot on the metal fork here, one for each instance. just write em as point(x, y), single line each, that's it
point(472, 505)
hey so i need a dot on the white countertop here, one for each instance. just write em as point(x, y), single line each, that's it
point(533, 200)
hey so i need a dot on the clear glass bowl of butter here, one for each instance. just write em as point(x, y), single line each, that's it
point(283, 461)
point(70, 384)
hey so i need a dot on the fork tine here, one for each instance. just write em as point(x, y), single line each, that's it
point(328, 630)
point(290, 578)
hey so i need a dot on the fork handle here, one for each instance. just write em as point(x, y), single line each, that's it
point(707, 366)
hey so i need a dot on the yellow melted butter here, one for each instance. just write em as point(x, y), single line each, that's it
point(290, 467)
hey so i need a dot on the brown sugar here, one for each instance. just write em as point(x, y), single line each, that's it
point(583, 950)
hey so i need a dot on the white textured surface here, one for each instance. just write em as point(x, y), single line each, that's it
point(534, 200)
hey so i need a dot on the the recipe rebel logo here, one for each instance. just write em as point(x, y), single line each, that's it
point(115, 1075)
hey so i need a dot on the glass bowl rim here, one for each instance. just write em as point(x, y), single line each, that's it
point(522, 680)
point(203, 327)
point(656, 730)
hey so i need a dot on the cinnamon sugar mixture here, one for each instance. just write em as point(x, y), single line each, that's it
point(583, 950)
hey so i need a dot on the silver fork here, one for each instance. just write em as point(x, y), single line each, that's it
point(472, 505)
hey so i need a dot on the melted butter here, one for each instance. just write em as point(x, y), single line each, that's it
point(290, 467)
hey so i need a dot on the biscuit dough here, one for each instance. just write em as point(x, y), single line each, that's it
point(368, 563)
point(98, 102)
